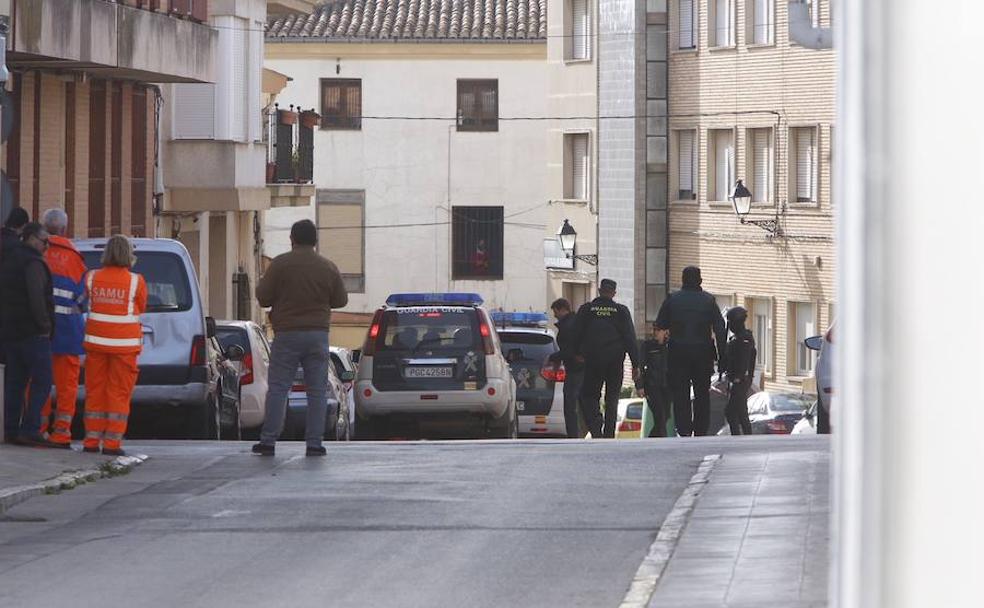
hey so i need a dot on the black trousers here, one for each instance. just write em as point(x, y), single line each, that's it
point(572, 398)
point(691, 369)
point(658, 400)
point(737, 409)
point(597, 374)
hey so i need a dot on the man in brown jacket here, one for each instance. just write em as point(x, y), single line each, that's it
point(301, 287)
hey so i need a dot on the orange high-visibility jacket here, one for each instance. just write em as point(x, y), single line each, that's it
point(117, 298)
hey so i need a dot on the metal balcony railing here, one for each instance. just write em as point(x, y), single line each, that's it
point(193, 10)
point(290, 145)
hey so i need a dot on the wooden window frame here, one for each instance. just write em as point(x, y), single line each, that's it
point(480, 121)
point(351, 118)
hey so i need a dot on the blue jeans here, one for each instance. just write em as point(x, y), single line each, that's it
point(309, 350)
point(28, 362)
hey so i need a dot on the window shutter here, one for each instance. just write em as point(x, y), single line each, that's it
point(762, 159)
point(687, 24)
point(579, 167)
point(805, 147)
point(579, 30)
point(723, 20)
point(764, 13)
point(238, 98)
point(686, 160)
point(194, 111)
point(342, 236)
point(722, 164)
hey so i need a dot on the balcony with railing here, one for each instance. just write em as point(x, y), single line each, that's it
point(143, 40)
point(290, 155)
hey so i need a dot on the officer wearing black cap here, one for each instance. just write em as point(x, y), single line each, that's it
point(692, 315)
point(739, 369)
point(603, 335)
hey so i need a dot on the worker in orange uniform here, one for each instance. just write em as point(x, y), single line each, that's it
point(67, 272)
point(113, 341)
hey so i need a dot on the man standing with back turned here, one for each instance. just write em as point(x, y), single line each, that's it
point(301, 287)
point(603, 334)
point(691, 315)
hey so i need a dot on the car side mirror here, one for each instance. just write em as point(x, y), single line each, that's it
point(814, 343)
point(235, 353)
point(347, 376)
point(209, 327)
point(356, 355)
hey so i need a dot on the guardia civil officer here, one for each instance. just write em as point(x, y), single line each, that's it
point(603, 335)
point(692, 315)
point(653, 380)
point(575, 368)
point(740, 369)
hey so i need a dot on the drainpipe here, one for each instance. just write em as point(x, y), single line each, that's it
point(158, 167)
point(801, 30)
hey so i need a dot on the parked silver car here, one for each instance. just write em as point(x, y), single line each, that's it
point(184, 377)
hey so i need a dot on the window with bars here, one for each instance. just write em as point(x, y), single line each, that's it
point(721, 155)
point(687, 24)
point(341, 104)
point(578, 30)
point(478, 105)
point(477, 237)
point(686, 165)
point(576, 167)
point(723, 18)
point(759, 164)
point(803, 164)
point(763, 21)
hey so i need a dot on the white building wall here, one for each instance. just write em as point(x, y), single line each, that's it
point(414, 171)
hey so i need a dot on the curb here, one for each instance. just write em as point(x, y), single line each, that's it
point(69, 480)
point(651, 569)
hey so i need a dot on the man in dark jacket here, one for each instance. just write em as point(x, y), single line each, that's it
point(28, 313)
point(691, 315)
point(9, 240)
point(740, 369)
point(603, 335)
point(575, 367)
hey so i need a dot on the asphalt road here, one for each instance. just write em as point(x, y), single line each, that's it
point(511, 523)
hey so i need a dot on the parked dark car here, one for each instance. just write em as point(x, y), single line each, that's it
point(773, 413)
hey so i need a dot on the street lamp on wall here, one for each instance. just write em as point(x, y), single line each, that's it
point(568, 239)
point(741, 198)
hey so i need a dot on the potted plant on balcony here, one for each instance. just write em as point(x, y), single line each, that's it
point(287, 117)
point(310, 119)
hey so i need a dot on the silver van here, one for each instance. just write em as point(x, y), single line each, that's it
point(183, 372)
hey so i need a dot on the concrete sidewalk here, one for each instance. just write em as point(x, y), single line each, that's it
point(758, 536)
point(27, 472)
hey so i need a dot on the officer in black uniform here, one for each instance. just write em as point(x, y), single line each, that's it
point(740, 369)
point(653, 381)
point(691, 315)
point(603, 335)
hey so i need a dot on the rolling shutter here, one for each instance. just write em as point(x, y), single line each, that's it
point(805, 162)
point(194, 111)
point(579, 167)
point(687, 38)
point(686, 159)
point(764, 12)
point(762, 160)
point(723, 151)
point(580, 44)
point(341, 238)
point(724, 33)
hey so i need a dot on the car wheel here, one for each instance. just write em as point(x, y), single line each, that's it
point(823, 418)
point(202, 422)
point(231, 429)
point(506, 427)
point(370, 429)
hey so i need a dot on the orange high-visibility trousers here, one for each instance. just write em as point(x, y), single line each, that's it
point(109, 382)
point(66, 371)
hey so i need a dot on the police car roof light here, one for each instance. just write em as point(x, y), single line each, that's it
point(520, 319)
point(434, 299)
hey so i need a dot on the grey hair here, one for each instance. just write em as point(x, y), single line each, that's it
point(119, 252)
point(55, 221)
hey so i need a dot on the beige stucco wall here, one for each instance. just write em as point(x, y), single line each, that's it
point(779, 86)
point(413, 171)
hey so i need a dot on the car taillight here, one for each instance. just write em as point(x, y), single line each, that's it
point(247, 377)
point(298, 388)
point(777, 426)
point(198, 351)
point(630, 425)
point(369, 348)
point(552, 373)
point(486, 332)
